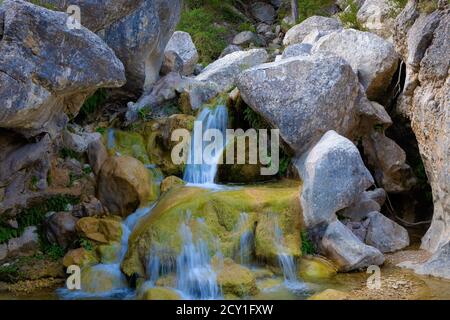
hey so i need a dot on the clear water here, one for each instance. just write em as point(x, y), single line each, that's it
point(246, 240)
point(199, 170)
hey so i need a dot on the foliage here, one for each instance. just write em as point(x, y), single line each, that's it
point(396, 6)
point(92, 103)
point(255, 120)
point(246, 26)
point(40, 3)
point(68, 153)
point(309, 8)
point(307, 246)
point(428, 6)
point(7, 233)
point(85, 243)
point(53, 251)
point(349, 16)
point(9, 273)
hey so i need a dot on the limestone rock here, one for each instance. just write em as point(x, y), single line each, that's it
point(60, 228)
point(79, 257)
point(171, 182)
point(263, 12)
point(386, 235)
point(334, 177)
point(235, 279)
point(230, 49)
point(100, 230)
point(245, 38)
point(298, 49)
point(124, 185)
point(25, 245)
point(376, 17)
point(37, 96)
point(368, 202)
point(159, 293)
point(297, 33)
point(97, 155)
point(303, 97)
point(181, 43)
point(371, 57)
point(346, 250)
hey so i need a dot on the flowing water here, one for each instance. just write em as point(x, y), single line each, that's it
point(246, 240)
point(198, 169)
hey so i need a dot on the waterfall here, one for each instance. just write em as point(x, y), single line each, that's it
point(198, 171)
point(287, 263)
point(245, 240)
point(113, 270)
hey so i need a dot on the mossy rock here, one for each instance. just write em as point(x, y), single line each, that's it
point(159, 293)
point(100, 230)
point(330, 294)
point(108, 253)
point(128, 143)
point(171, 182)
point(235, 279)
point(80, 257)
point(314, 268)
point(102, 278)
point(213, 218)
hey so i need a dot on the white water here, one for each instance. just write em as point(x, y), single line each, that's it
point(112, 270)
point(198, 171)
point(287, 264)
point(246, 240)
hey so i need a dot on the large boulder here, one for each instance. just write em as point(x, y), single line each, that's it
point(263, 12)
point(386, 235)
point(38, 87)
point(334, 177)
point(303, 97)
point(422, 40)
point(25, 245)
point(376, 16)
point(346, 250)
point(315, 23)
point(298, 49)
point(124, 184)
point(60, 228)
point(371, 57)
point(181, 43)
point(100, 230)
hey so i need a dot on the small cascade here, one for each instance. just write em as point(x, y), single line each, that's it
point(245, 240)
point(195, 275)
point(111, 139)
point(112, 270)
point(199, 171)
point(287, 264)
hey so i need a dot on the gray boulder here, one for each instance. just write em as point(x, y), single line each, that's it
point(60, 228)
point(298, 49)
point(230, 49)
point(345, 249)
point(38, 87)
point(334, 177)
point(376, 16)
point(384, 234)
point(25, 245)
point(97, 155)
point(181, 43)
point(78, 140)
point(303, 96)
point(245, 38)
point(371, 57)
point(263, 12)
point(316, 23)
point(438, 265)
point(368, 202)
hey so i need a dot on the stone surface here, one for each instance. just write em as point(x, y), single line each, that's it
point(60, 228)
point(263, 12)
point(100, 230)
point(371, 57)
point(235, 279)
point(313, 268)
point(124, 185)
point(160, 293)
point(376, 16)
point(37, 96)
point(368, 202)
point(422, 40)
point(230, 49)
point(170, 183)
point(386, 235)
point(80, 257)
point(304, 97)
point(298, 49)
point(298, 32)
point(79, 142)
point(244, 38)
point(97, 155)
point(181, 43)
point(334, 177)
point(345, 249)
point(25, 245)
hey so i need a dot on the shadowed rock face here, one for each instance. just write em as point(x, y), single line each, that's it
point(47, 70)
point(422, 40)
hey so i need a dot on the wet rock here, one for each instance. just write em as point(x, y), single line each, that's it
point(386, 235)
point(298, 49)
point(97, 155)
point(124, 185)
point(100, 230)
point(235, 279)
point(79, 257)
point(60, 228)
point(323, 24)
point(93, 207)
point(181, 43)
point(371, 57)
point(170, 183)
point(313, 268)
point(39, 96)
point(109, 253)
point(101, 279)
point(323, 95)
point(159, 293)
point(330, 294)
point(25, 245)
point(79, 142)
point(263, 12)
point(345, 249)
point(334, 177)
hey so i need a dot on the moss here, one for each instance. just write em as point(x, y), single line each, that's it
point(428, 6)
point(314, 268)
point(159, 293)
point(214, 216)
point(235, 279)
point(131, 144)
point(396, 6)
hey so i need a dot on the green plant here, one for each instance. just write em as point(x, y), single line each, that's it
point(67, 153)
point(349, 17)
point(40, 3)
point(307, 246)
point(34, 181)
point(86, 244)
point(396, 6)
point(378, 127)
point(87, 170)
point(92, 103)
point(255, 120)
point(246, 26)
point(428, 6)
point(53, 251)
point(7, 233)
point(100, 130)
point(9, 273)
point(285, 160)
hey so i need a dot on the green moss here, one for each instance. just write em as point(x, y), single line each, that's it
point(396, 6)
point(68, 153)
point(306, 9)
point(9, 273)
point(246, 26)
point(349, 17)
point(40, 3)
point(307, 246)
point(131, 144)
point(92, 104)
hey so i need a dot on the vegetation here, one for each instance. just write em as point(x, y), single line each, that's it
point(206, 21)
point(396, 6)
point(41, 3)
point(92, 103)
point(307, 246)
point(9, 273)
point(68, 153)
point(349, 16)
